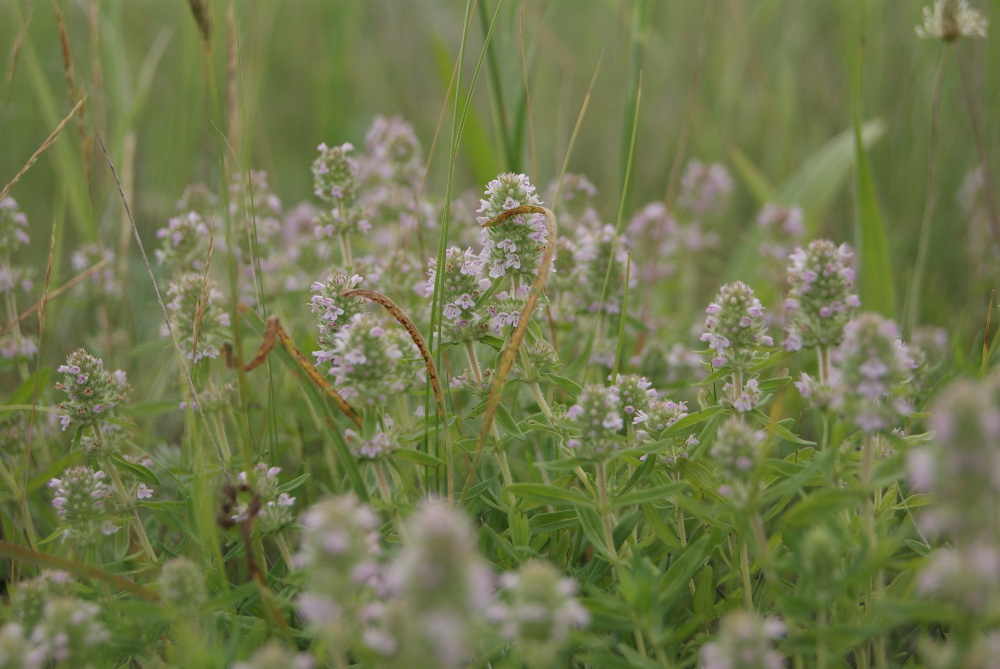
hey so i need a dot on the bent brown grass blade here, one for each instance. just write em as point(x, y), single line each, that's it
point(23, 554)
point(510, 353)
point(273, 334)
point(425, 353)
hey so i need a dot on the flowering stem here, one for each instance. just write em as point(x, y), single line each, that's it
point(679, 515)
point(474, 364)
point(383, 488)
point(126, 501)
point(540, 399)
point(505, 470)
point(345, 250)
point(602, 492)
point(744, 560)
point(286, 554)
point(823, 359)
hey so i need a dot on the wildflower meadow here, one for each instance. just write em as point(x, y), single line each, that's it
point(499, 333)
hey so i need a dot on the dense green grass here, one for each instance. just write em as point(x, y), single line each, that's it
point(825, 105)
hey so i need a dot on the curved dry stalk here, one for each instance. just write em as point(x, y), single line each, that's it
point(273, 334)
point(509, 353)
point(425, 353)
point(24, 554)
point(414, 333)
point(82, 276)
point(45, 145)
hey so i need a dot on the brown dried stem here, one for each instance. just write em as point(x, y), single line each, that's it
point(425, 353)
point(273, 334)
point(510, 352)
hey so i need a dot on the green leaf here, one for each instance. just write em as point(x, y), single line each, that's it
point(655, 494)
point(71, 459)
point(659, 527)
point(699, 476)
point(593, 527)
point(704, 595)
point(813, 187)
point(544, 523)
point(476, 142)
point(548, 494)
point(419, 457)
point(755, 181)
point(144, 474)
point(293, 484)
point(685, 426)
point(507, 422)
point(874, 274)
point(779, 430)
point(569, 386)
point(675, 580)
point(820, 506)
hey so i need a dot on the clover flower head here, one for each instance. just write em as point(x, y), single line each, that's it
point(92, 392)
point(595, 251)
point(70, 632)
point(968, 574)
point(378, 446)
point(333, 311)
point(199, 198)
point(505, 308)
point(13, 227)
point(27, 602)
point(704, 187)
point(744, 641)
point(393, 154)
point(635, 393)
point(182, 585)
point(366, 359)
point(538, 612)
point(783, 229)
point(274, 507)
point(335, 174)
point(597, 419)
point(736, 448)
point(960, 465)
point(516, 245)
point(184, 245)
point(440, 588)
point(874, 366)
point(948, 20)
point(463, 283)
point(197, 318)
point(735, 330)
point(101, 283)
point(744, 399)
point(821, 296)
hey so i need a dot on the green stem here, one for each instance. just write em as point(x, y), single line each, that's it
point(345, 250)
point(602, 492)
point(286, 554)
point(127, 503)
point(745, 576)
point(930, 195)
point(505, 470)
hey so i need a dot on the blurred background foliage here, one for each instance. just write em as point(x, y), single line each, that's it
point(769, 80)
